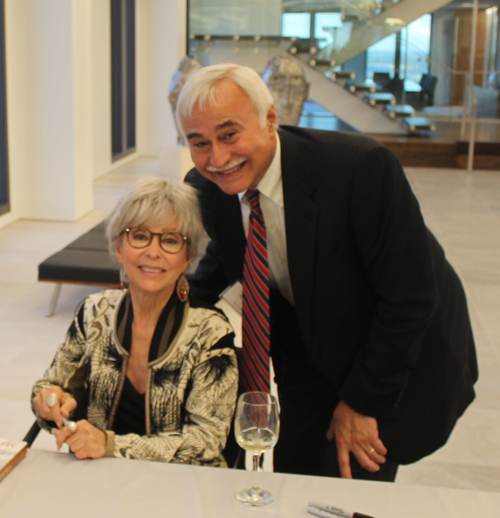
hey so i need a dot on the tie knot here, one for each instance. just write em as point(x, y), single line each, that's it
point(253, 198)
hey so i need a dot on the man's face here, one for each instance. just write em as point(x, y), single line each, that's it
point(227, 143)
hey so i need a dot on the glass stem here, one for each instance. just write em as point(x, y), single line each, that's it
point(256, 463)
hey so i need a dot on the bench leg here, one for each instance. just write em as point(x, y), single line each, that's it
point(53, 300)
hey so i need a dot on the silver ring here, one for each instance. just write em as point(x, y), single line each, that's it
point(52, 400)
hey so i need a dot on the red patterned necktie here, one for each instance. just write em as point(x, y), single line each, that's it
point(256, 325)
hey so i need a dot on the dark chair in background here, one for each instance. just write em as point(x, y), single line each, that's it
point(382, 80)
point(428, 84)
point(396, 86)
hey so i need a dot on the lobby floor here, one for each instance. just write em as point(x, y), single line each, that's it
point(462, 209)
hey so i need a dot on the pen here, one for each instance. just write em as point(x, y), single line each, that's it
point(326, 511)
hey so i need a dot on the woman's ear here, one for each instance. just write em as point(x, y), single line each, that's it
point(118, 252)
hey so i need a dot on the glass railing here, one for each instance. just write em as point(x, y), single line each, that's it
point(337, 29)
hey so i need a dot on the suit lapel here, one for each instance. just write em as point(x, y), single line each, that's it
point(301, 220)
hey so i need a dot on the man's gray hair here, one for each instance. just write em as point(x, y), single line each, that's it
point(201, 87)
point(156, 202)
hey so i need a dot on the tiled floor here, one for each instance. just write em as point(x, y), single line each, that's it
point(462, 209)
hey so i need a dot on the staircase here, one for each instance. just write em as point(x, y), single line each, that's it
point(359, 104)
point(366, 22)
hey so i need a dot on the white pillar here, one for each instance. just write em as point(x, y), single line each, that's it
point(49, 101)
point(161, 44)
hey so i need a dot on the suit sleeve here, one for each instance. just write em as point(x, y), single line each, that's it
point(395, 249)
point(210, 278)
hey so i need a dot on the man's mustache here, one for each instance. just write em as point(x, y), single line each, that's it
point(227, 168)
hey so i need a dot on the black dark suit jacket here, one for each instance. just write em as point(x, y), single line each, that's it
point(382, 314)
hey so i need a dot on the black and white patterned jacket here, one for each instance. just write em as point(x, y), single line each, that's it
point(192, 387)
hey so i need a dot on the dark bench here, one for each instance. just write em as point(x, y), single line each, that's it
point(86, 260)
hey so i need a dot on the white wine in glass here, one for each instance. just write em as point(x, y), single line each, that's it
point(257, 428)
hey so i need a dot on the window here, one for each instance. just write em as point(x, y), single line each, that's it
point(4, 163)
point(122, 77)
point(325, 27)
point(380, 57)
point(414, 51)
point(418, 37)
point(296, 24)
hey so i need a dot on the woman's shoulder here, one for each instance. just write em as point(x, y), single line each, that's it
point(207, 316)
point(101, 302)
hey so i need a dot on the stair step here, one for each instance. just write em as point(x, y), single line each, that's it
point(305, 46)
point(321, 63)
point(362, 87)
point(399, 110)
point(379, 98)
point(341, 75)
point(418, 124)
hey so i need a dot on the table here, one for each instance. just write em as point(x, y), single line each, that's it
point(57, 484)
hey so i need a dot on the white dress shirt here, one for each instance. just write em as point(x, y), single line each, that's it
point(271, 203)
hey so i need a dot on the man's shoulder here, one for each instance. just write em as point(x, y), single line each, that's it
point(334, 139)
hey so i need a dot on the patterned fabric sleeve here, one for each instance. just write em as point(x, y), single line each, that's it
point(208, 407)
point(68, 358)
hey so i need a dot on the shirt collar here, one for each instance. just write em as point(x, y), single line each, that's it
point(271, 183)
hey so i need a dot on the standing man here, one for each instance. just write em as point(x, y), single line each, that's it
point(370, 336)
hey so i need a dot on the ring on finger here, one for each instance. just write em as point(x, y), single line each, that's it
point(52, 400)
point(371, 451)
point(73, 427)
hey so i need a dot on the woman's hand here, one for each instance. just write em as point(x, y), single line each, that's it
point(356, 433)
point(64, 406)
point(87, 442)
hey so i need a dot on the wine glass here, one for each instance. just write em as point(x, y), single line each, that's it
point(256, 428)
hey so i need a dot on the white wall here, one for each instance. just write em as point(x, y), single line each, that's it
point(59, 99)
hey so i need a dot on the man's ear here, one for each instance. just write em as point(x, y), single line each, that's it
point(272, 118)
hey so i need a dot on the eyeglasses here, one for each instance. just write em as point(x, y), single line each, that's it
point(171, 242)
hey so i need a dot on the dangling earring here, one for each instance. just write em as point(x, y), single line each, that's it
point(182, 288)
point(123, 284)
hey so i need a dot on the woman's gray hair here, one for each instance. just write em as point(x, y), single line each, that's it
point(201, 87)
point(156, 201)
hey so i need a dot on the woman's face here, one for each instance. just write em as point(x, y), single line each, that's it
point(151, 270)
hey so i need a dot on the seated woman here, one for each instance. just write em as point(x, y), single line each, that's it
point(154, 372)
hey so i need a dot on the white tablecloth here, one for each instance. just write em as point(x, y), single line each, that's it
point(47, 484)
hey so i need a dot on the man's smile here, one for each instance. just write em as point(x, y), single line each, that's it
point(233, 167)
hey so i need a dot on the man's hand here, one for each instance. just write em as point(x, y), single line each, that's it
point(87, 442)
point(358, 434)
